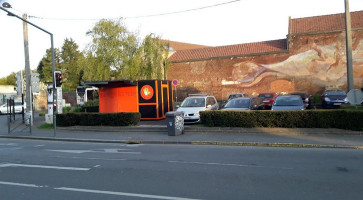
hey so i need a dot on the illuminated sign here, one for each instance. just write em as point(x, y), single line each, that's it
point(147, 92)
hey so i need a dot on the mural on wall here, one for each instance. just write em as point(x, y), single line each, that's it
point(324, 65)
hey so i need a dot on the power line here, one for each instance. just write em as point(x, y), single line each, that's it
point(136, 17)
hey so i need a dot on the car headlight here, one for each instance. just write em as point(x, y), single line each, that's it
point(346, 99)
point(196, 113)
point(326, 99)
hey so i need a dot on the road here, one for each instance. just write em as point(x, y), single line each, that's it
point(67, 170)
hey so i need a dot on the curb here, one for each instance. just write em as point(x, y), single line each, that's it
point(250, 144)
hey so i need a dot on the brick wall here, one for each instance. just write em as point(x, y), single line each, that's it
point(312, 63)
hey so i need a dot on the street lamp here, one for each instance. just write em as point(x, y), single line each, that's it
point(27, 67)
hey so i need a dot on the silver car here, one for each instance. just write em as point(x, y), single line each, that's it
point(17, 106)
point(191, 106)
point(288, 102)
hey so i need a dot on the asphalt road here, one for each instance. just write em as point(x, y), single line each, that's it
point(66, 170)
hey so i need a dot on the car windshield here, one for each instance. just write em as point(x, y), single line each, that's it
point(193, 102)
point(302, 95)
point(288, 101)
point(335, 93)
point(238, 103)
point(265, 95)
point(232, 96)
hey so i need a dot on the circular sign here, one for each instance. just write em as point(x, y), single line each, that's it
point(175, 82)
point(147, 92)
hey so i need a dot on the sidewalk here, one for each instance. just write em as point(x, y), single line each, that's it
point(155, 132)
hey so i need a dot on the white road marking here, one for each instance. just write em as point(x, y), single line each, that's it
point(229, 164)
point(9, 144)
point(73, 157)
point(123, 194)
point(122, 151)
point(44, 167)
point(41, 145)
point(98, 191)
point(19, 184)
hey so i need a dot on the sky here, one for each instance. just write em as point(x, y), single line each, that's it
point(205, 22)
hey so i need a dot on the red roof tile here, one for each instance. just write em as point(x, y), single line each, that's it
point(176, 46)
point(324, 23)
point(231, 50)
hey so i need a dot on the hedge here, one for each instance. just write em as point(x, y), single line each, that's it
point(98, 119)
point(342, 119)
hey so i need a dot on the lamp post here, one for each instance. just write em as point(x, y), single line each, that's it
point(27, 66)
point(348, 34)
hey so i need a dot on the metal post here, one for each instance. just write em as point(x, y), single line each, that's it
point(27, 71)
point(54, 90)
point(348, 33)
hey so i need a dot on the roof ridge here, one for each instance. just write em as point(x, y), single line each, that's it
point(325, 15)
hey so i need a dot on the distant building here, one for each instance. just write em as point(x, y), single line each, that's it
point(311, 58)
point(7, 92)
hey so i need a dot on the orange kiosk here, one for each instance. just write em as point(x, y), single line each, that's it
point(152, 98)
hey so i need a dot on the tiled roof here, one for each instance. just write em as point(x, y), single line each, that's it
point(176, 46)
point(324, 23)
point(231, 50)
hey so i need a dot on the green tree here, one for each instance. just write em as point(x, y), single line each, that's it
point(8, 80)
point(70, 65)
point(154, 58)
point(45, 68)
point(117, 52)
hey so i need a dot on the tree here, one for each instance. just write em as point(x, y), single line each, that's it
point(45, 68)
point(111, 48)
point(8, 80)
point(154, 58)
point(70, 64)
point(116, 52)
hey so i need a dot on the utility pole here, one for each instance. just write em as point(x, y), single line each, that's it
point(348, 36)
point(28, 95)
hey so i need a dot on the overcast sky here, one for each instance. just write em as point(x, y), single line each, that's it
point(208, 22)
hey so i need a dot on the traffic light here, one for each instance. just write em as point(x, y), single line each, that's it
point(58, 78)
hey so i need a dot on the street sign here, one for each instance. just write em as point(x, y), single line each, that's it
point(355, 96)
point(175, 82)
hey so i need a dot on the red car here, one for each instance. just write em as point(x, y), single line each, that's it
point(267, 99)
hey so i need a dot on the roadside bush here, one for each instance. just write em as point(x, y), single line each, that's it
point(343, 119)
point(98, 119)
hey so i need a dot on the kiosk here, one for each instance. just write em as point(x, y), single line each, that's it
point(152, 98)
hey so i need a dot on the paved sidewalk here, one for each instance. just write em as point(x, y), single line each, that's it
point(155, 132)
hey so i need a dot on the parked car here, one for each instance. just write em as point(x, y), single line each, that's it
point(192, 105)
point(288, 102)
point(334, 98)
point(236, 95)
point(17, 106)
point(268, 99)
point(244, 103)
point(305, 98)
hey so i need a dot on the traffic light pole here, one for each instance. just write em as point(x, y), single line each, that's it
point(53, 62)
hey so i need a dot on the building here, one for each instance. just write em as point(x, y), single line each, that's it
point(311, 58)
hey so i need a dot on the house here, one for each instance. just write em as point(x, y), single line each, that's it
point(310, 58)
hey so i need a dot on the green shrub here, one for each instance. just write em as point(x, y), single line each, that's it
point(77, 109)
point(41, 114)
point(98, 119)
point(343, 119)
point(66, 109)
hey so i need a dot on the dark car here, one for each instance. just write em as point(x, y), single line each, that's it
point(244, 103)
point(288, 102)
point(305, 98)
point(267, 99)
point(334, 98)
